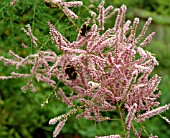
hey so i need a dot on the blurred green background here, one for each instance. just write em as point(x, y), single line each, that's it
point(21, 115)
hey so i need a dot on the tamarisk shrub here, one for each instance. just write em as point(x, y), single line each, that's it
point(112, 70)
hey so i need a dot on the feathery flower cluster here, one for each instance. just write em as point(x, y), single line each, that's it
point(40, 65)
point(30, 34)
point(149, 114)
point(104, 14)
point(111, 136)
point(58, 128)
point(105, 66)
point(65, 6)
point(129, 118)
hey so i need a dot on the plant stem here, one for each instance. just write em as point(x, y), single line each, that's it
point(121, 118)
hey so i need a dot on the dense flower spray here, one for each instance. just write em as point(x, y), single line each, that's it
point(111, 69)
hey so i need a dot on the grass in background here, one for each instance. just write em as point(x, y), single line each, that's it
point(21, 114)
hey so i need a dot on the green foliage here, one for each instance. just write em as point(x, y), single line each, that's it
point(21, 114)
point(159, 10)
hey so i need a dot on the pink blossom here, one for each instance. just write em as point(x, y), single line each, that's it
point(28, 31)
point(24, 45)
point(151, 113)
point(108, 9)
point(129, 118)
point(111, 136)
point(13, 3)
point(133, 30)
point(119, 18)
point(72, 4)
point(30, 86)
point(58, 128)
point(15, 55)
point(64, 98)
point(69, 13)
point(145, 27)
point(147, 40)
point(101, 15)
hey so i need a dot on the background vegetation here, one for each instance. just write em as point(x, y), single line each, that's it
point(21, 114)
